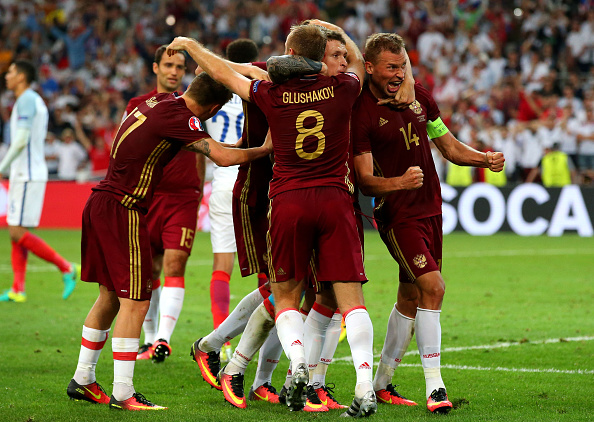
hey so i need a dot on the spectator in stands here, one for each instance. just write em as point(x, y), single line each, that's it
point(72, 157)
point(51, 154)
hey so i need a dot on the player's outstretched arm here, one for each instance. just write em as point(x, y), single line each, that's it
point(212, 64)
point(463, 155)
point(283, 68)
point(226, 157)
point(371, 185)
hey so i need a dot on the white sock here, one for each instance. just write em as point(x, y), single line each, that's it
point(151, 320)
point(124, 358)
point(315, 328)
point(234, 324)
point(269, 356)
point(288, 377)
point(328, 349)
point(360, 336)
point(289, 326)
point(398, 335)
point(429, 341)
point(90, 349)
point(172, 301)
point(255, 334)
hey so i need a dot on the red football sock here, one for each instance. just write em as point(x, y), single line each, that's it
point(19, 267)
point(219, 297)
point(44, 251)
point(262, 279)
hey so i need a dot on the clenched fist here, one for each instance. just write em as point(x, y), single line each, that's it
point(412, 178)
point(495, 161)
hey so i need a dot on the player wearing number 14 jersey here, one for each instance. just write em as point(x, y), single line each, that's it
point(392, 152)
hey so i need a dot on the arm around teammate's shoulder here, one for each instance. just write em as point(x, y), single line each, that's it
point(225, 157)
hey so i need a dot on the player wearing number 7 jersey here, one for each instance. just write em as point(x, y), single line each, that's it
point(310, 204)
point(392, 152)
point(115, 246)
point(171, 221)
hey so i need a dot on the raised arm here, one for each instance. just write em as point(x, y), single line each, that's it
point(212, 64)
point(226, 157)
point(371, 185)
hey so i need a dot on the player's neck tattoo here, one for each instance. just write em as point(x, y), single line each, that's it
point(283, 68)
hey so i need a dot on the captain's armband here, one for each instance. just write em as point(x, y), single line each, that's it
point(436, 128)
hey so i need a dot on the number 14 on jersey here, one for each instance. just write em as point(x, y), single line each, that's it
point(408, 139)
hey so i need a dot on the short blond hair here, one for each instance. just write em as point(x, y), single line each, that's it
point(378, 43)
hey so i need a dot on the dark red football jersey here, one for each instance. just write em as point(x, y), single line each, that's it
point(180, 176)
point(309, 121)
point(251, 186)
point(148, 138)
point(398, 140)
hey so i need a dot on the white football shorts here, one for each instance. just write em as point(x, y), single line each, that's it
point(25, 202)
point(222, 234)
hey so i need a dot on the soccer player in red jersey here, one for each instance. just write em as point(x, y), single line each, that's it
point(171, 221)
point(310, 201)
point(115, 246)
point(393, 162)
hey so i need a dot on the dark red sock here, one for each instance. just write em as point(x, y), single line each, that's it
point(219, 297)
point(44, 251)
point(19, 267)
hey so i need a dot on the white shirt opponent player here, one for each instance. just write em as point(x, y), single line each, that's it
point(226, 127)
point(28, 176)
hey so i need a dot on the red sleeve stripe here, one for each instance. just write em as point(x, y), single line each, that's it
point(124, 356)
point(93, 345)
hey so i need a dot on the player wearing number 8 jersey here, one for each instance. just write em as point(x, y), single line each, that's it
point(392, 152)
point(115, 240)
point(310, 202)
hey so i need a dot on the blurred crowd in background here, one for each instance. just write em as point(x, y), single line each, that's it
point(509, 75)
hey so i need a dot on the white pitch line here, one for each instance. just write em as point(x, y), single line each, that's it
point(496, 346)
point(499, 368)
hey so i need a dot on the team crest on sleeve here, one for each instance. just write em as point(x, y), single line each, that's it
point(195, 124)
point(420, 261)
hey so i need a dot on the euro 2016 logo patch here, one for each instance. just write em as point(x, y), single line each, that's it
point(195, 124)
point(420, 261)
point(416, 107)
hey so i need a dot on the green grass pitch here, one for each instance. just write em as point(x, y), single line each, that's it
point(517, 338)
